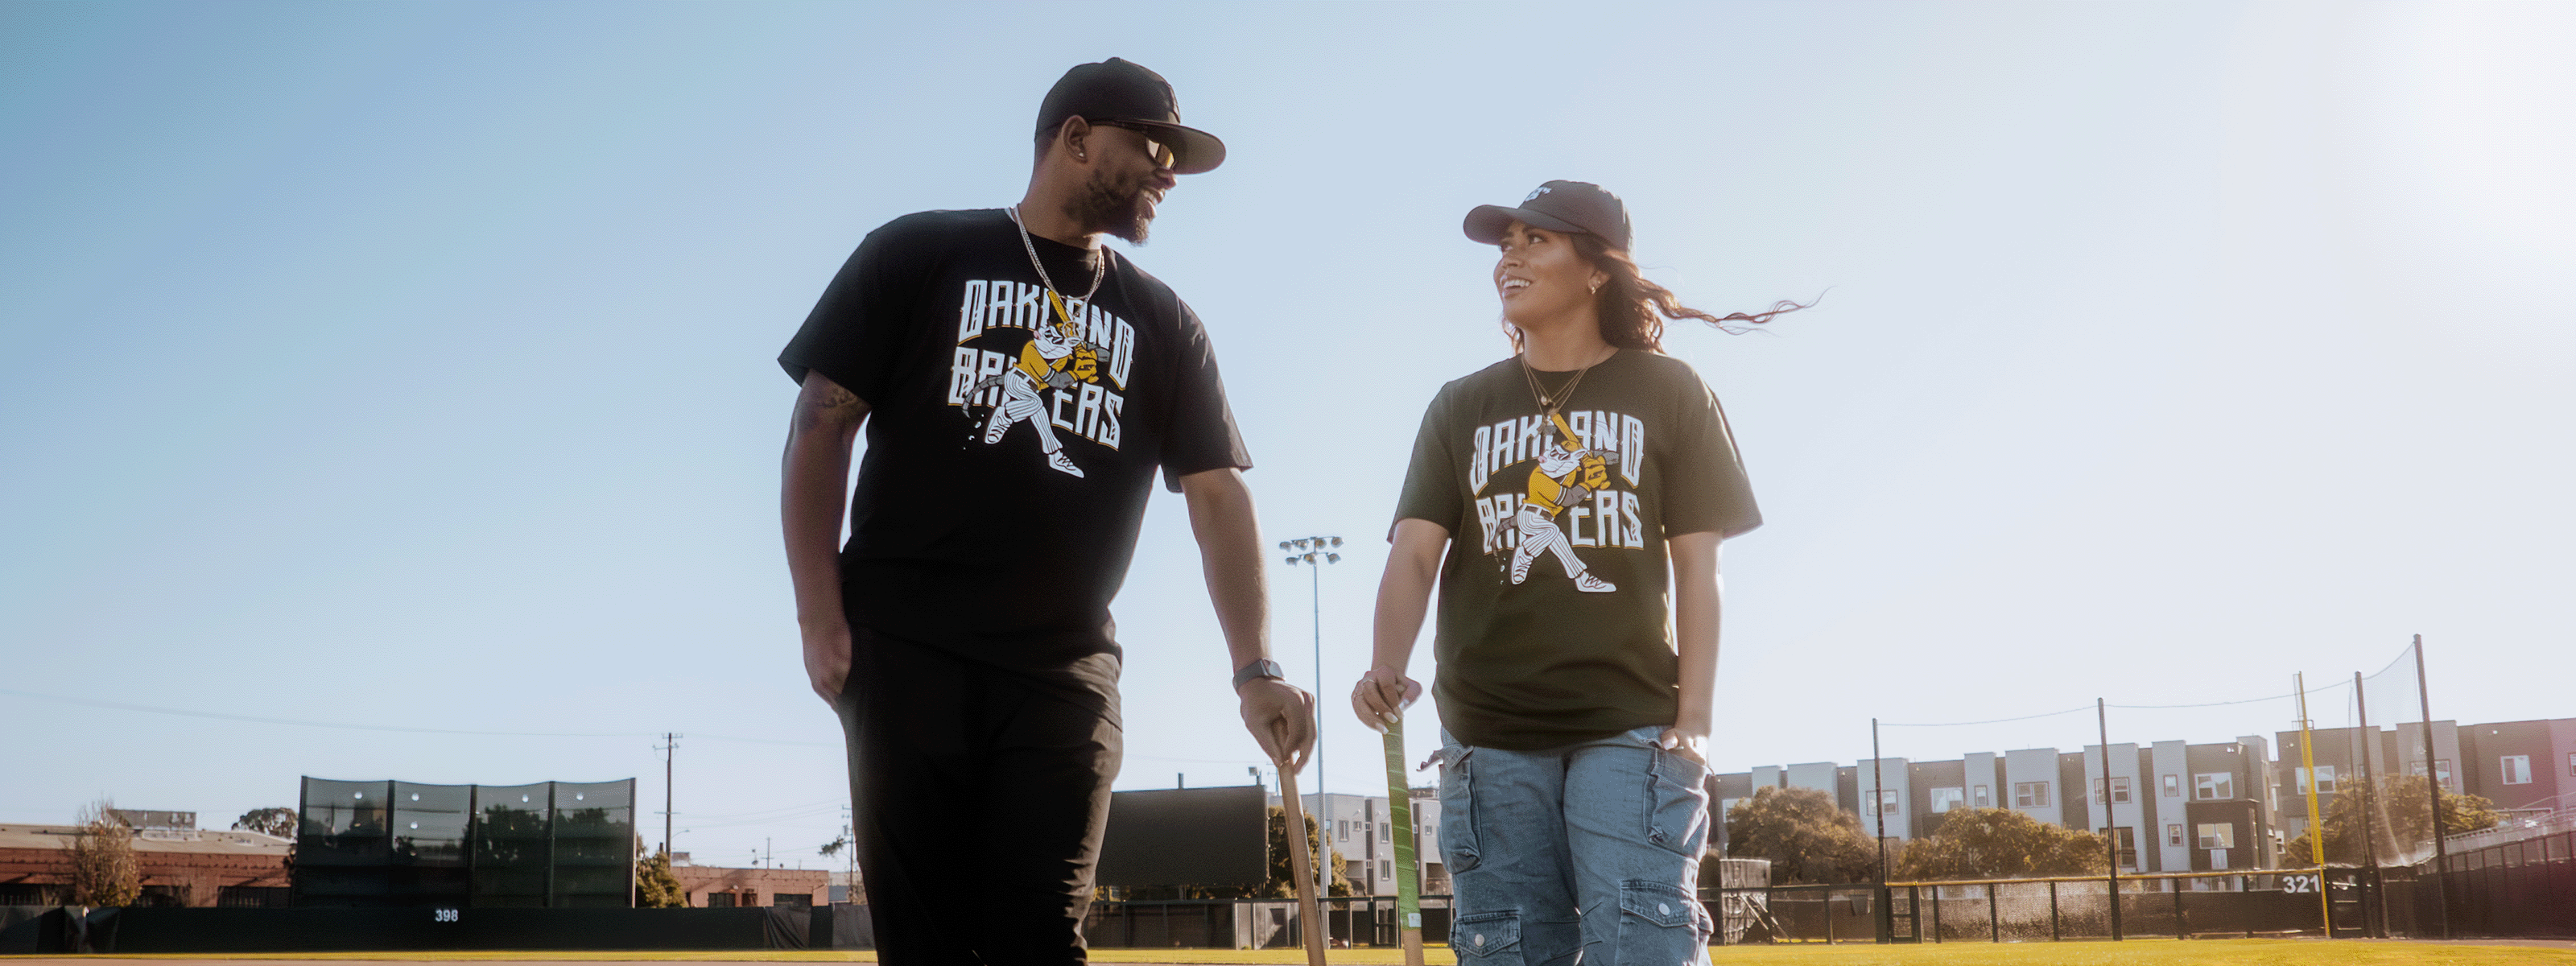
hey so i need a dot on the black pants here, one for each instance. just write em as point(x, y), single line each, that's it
point(980, 800)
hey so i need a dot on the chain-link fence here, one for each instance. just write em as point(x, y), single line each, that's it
point(2268, 903)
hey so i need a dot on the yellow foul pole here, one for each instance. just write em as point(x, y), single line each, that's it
point(2316, 827)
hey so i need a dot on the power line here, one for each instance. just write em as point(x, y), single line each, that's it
point(347, 726)
point(1954, 724)
point(257, 719)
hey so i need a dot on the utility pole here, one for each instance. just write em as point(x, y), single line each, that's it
point(1886, 924)
point(670, 745)
point(2369, 845)
point(2433, 788)
point(2110, 824)
point(1878, 801)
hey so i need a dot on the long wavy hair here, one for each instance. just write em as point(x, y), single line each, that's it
point(1632, 309)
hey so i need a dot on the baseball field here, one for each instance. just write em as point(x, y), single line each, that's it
point(2220, 952)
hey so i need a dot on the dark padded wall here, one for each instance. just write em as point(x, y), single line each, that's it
point(1193, 836)
point(167, 930)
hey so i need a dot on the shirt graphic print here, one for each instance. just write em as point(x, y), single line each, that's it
point(1068, 371)
point(1569, 485)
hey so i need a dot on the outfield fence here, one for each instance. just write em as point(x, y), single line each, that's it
point(2510, 890)
point(2515, 889)
point(2179, 905)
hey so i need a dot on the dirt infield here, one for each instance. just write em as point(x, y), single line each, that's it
point(2148, 952)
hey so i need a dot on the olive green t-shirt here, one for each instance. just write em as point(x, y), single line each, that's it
point(1553, 623)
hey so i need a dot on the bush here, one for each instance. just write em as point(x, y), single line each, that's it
point(1806, 836)
point(1999, 843)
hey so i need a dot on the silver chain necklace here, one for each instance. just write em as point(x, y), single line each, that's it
point(1099, 268)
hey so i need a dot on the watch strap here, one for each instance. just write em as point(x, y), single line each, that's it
point(1264, 668)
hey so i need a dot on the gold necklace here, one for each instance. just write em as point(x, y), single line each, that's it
point(1549, 403)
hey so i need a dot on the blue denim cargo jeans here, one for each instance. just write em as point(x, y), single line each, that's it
point(1590, 850)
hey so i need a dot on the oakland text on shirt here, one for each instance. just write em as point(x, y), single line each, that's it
point(1053, 377)
point(1573, 495)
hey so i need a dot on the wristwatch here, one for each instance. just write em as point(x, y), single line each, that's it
point(1264, 668)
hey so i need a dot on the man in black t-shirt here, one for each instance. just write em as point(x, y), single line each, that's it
point(1020, 386)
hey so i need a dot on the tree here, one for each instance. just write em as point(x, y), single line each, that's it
point(2401, 808)
point(1805, 835)
point(2000, 843)
point(655, 886)
point(1283, 880)
point(280, 822)
point(101, 854)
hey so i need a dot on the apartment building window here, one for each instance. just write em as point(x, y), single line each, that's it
point(1985, 799)
point(2217, 835)
point(2126, 844)
point(2172, 785)
point(1383, 831)
point(2517, 769)
point(1386, 868)
point(2119, 789)
point(2571, 764)
point(1885, 801)
point(2030, 794)
point(1945, 799)
point(2325, 779)
point(2213, 786)
point(2173, 834)
point(1342, 828)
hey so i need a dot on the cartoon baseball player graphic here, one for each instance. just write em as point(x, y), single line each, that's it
point(1567, 474)
point(1055, 357)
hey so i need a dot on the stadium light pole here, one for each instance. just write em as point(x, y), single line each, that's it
point(1316, 553)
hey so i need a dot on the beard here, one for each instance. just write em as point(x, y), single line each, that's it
point(1115, 208)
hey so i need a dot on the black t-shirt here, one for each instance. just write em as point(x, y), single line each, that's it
point(1553, 623)
point(970, 529)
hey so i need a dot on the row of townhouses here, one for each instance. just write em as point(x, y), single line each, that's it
point(2175, 806)
point(1361, 834)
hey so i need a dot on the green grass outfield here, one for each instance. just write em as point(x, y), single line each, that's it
point(2149, 952)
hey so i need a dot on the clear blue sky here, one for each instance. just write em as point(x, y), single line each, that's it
point(410, 364)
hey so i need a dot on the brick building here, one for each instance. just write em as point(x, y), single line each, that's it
point(180, 866)
point(718, 887)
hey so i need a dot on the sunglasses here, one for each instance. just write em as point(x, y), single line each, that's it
point(1154, 147)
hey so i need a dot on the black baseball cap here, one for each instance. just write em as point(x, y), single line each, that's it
point(1557, 206)
point(1119, 90)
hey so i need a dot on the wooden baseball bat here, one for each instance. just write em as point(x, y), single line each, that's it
point(1302, 865)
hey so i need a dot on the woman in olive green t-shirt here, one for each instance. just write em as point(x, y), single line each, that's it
point(1551, 495)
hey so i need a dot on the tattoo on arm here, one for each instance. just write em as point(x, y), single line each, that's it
point(826, 406)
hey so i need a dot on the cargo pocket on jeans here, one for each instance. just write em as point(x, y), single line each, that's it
point(1677, 804)
point(1659, 923)
point(1487, 939)
point(1458, 810)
